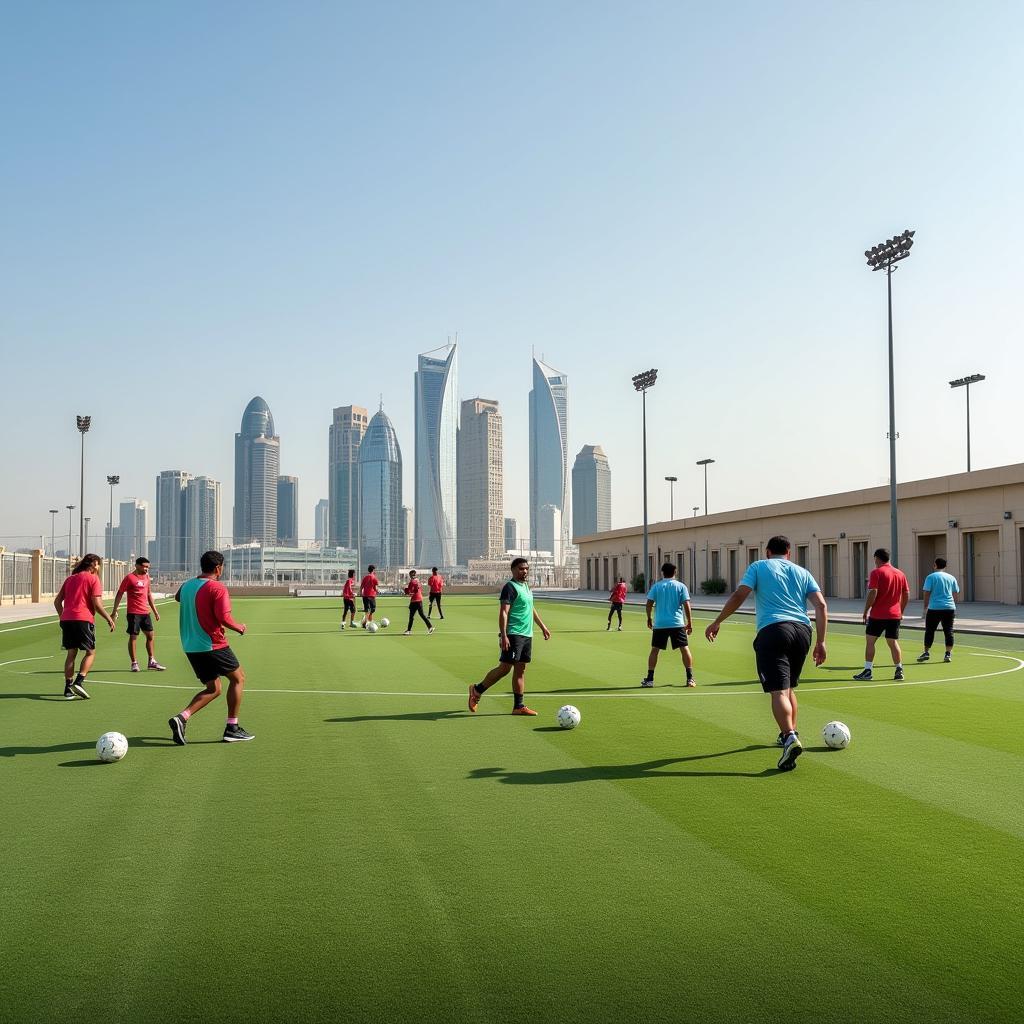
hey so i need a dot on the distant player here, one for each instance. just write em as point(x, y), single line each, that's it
point(516, 616)
point(884, 603)
point(670, 601)
point(435, 584)
point(941, 593)
point(348, 595)
point(78, 602)
point(204, 615)
point(414, 591)
point(782, 590)
point(368, 590)
point(618, 599)
point(140, 604)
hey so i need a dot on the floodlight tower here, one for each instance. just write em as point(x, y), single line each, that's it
point(70, 508)
point(885, 256)
point(84, 422)
point(643, 381)
point(671, 488)
point(53, 530)
point(705, 463)
point(113, 481)
point(966, 382)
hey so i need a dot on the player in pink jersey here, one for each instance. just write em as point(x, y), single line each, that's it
point(618, 599)
point(414, 591)
point(368, 590)
point(78, 602)
point(348, 595)
point(140, 604)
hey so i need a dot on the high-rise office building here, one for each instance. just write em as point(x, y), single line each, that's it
point(321, 521)
point(257, 466)
point(348, 426)
point(549, 532)
point(437, 427)
point(170, 521)
point(129, 536)
point(410, 535)
point(549, 458)
point(481, 481)
point(511, 534)
point(288, 511)
point(202, 519)
point(381, 529)
point(591, 492)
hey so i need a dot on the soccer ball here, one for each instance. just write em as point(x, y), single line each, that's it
point(371, 627)
point(111, 746)
point(568, 717)
point(836, 735)
point(384, 623)
point(342, 626)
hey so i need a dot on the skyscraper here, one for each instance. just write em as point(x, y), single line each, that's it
point(409, 522)
point(591, 492)
point(170, 520)
point(549, 458)
point(511, 534)
point(381, 530)
point(321, 521)
point(344, 438)
point(288, 511)
point(481, 478)
point(129, 540)
point(437, 426)
point(257, 465)
point(202, 518)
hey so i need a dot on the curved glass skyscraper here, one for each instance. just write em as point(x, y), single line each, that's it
point(381, 529)
point(437, 431)
point(257, 466)
point(549, 460)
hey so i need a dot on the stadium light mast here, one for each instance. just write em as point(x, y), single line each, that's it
point(885, 256)
point(672, 480)
point(966, 382)
point(84, 422)
point(53, 530)
point(705, 463)
point(113, 481)
point(643, 381)
point(70, 508)
point(696, 509)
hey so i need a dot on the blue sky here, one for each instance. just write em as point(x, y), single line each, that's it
point(208, 201)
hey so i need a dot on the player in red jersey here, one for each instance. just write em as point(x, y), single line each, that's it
point(348, 595)
point(618, 599)
point(884, 603)
point(435, 585)
point(140, 604)
point(78, 602)
point(414, 591)
point(368, 590)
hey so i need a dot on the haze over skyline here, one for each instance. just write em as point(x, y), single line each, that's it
point(205, 204)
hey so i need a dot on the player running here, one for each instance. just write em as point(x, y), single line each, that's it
point(782, 590)
point(516, 616)
point(204, 615)
point(368, 589)
point(941, 593)
point(414, 591)
point(435, 584)
point(618, 599)
point(348, 595)
point(670, 601)
point(78, 602)
point(140, 603)
point(884, 603)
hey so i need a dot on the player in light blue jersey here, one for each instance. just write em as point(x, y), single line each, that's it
point(941, 593)
point(669, 600)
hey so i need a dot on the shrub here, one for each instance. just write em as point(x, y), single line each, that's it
point(639, 584)
point(715, 585)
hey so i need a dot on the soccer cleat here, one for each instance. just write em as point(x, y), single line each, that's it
point(947, 658)
point(923, 656)
point(177, 724)
point(474, 697)
point(898, 675)
point(647, 683)
point(691, 681)
point(619, 630)
point(408, 632)
point(524, 710)
point(430, 629)
point(864, 676)
point(155, 666)
point(609, 626)
point(69, 694)
point(236, 734)
point(79, 691)
point(780, 740)
point(790, 752)
point(135, 666)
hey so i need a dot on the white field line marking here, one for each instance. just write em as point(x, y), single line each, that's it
point(699, 692)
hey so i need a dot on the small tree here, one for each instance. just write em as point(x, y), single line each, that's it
point(714, 585)
point(639, 584)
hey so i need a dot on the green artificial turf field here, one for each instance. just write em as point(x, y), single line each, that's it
point(380, 854)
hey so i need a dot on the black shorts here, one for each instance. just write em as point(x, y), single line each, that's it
point(616, 606)
point(210, 665)
point(369, 604)
point(350, 606)
point(78, 636)
point(139, 624)
point(661, 637)
point(781, 649)
point(890, 627)
point(520, 649)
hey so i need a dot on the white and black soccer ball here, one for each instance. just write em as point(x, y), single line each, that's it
point(384, 623)
point(568, 717)
point(111, 746)
point(836, 735)
point(372, 627)
point(342, 626)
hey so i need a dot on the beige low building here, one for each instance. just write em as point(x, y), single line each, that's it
point(974, 520)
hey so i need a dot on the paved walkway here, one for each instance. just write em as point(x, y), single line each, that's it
point(974, 617)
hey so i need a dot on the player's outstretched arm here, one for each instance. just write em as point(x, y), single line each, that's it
point(736, 598)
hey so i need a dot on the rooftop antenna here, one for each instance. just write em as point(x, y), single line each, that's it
point(382, 402)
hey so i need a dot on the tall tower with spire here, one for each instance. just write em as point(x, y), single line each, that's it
point(381, 521)
point(437, 431)
point(549, 460)
point(257, 467)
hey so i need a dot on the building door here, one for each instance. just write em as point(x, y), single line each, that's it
point(830, 568)
point(981, 565)
point(929, 547)
point(589, 578)
point(753, 554)
point(605, 567)
point(733, 564)
point(860, 568)
point(615, 570)
point(801, 556)
point(636, 570)
point(716, 565)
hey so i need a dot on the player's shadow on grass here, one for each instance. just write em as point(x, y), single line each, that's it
point(409, 716)
point(32, 696)
point(619, 772)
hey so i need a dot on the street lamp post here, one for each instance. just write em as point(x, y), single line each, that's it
point(643, 381)
point(705, 463)
point(70, 508)
point(113, 481)
point(966, 382)
point(696, 509)
point(53, 530)
point(885, 256)
point(88, 519)
point(671, 488)
point(84, 422)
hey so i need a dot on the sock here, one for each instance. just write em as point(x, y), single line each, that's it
point(792, 732)
point(689, 673)
point(867, 666)
point(900, 665)
point(80, 678)
point(518, 700)
point(650, 675)
point(480, 689)
point(185, 715)
point(232, 721)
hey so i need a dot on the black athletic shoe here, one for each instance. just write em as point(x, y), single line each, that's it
point(69, 694)
point(864, 676)
point(177, 724)
point(923, 656)
point(790, 752)
point(79, 691)
point(236, 734)
point(947, 658)
point(898, 675)
point(647, 684)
